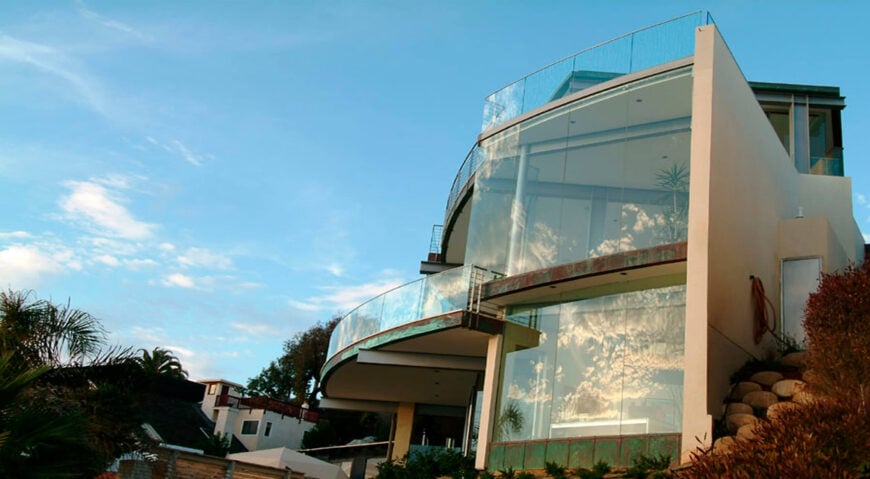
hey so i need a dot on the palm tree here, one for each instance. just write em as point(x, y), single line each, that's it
point(40, 333)
point(161, 362)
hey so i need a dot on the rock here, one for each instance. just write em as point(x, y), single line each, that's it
point(746, 432)
point(760, 399)
point(787, 387)
point(742, 389)
point(796, 359)
point(803, 397)
point(766, 378)
point(723, 444)
point(734, 421)
point(738, 408)
point(776, 409)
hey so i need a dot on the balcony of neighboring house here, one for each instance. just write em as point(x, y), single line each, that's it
point(268, 404)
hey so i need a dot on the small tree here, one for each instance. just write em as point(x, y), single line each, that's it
point(161, 362)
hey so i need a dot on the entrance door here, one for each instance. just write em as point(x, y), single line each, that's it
point(800, 277)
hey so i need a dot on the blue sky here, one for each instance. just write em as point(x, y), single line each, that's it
point(213, 177)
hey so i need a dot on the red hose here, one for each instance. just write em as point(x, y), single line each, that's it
point(760, 304)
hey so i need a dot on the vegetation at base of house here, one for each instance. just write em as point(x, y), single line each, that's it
point(216, 445)
point(652, 467)
point(829, 436)
point(429, 464)
point(555, 471)
point(598, 471)
point(69, 401)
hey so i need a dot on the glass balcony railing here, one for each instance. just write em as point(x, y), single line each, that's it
point(426, 297)
point(468, 167)
point(831, 164)
point(645, 48)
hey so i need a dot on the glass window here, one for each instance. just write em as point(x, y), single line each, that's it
point(250, 427)
point(800, 277)
point(611, 365)
point(268, 429)
point(212, 388)
point(781, 123)
point(603, 175)
point(820, 138)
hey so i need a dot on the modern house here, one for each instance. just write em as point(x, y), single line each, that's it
point(591, 289)
point(257, 422)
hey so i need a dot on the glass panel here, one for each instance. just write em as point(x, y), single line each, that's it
point(819, 138)
point(655, 45)
point(603, 175)
point(781, 123)
point(610, 365)
point(800, 277)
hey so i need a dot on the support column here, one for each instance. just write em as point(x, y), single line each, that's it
point(489, 404)
point(404, 426)
point(518, 214)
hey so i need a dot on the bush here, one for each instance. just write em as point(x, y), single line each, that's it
point(598, 471)
point(647, 466)
point(821, 439)
point(838, 332)
point(555, 470)
point(431, 463)
point(829, 437)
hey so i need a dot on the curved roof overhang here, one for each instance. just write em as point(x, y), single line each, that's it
point(436, 360)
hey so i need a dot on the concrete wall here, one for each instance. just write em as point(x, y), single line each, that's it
point(286, 431)
point(743, 187)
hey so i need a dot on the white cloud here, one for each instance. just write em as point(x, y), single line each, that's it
point(15, 235)
point(111, 23)
point(862, 200)
point(176, 147)
point(255, 328)
point(137, 264)
point(22, 266)
point(866, 238)
point(179, 280)
point(101, 208)
point(335, 269)
point(200, 257)
point(166, 246)
point(54, 62)
point(345, 298)
point(108, 260)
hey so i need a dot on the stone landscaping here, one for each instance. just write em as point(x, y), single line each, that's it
point(762, 394)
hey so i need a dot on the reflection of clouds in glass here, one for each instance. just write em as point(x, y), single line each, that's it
point(614, 358)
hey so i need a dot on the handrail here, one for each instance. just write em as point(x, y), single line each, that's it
point(631, 52)
point(422, 298)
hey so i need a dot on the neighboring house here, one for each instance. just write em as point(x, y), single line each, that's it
point(257, 422)
point(592, 285)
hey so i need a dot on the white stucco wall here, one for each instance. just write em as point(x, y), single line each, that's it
point(743, 186)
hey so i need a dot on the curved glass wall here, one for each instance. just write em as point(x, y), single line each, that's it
point(426, 297)
point(605, 174)
point(605, 366)
point(645, 48)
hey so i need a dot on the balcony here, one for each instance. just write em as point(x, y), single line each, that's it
point(455, 290)
point(280, 407)
point(633, 52)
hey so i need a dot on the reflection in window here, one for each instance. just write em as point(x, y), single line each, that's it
point(781, 123)
point(603, 175)
point(611, 365)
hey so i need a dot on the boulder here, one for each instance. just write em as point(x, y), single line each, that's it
point(787, 387)
point(796, 359)
point(723, 444)
point(746, 432)
point(766, 378)
point(738, 408)
point(742, 389)
point(735, 421)
point(760, 399)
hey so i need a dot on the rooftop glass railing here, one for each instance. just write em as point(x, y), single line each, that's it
point(426, 297)
point(636, 51)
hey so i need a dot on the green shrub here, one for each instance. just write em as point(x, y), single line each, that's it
point(508, 473)
point(431, 463)
point(598, 471)
point(525, 475)
point(644, 467)
point(555, 470)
